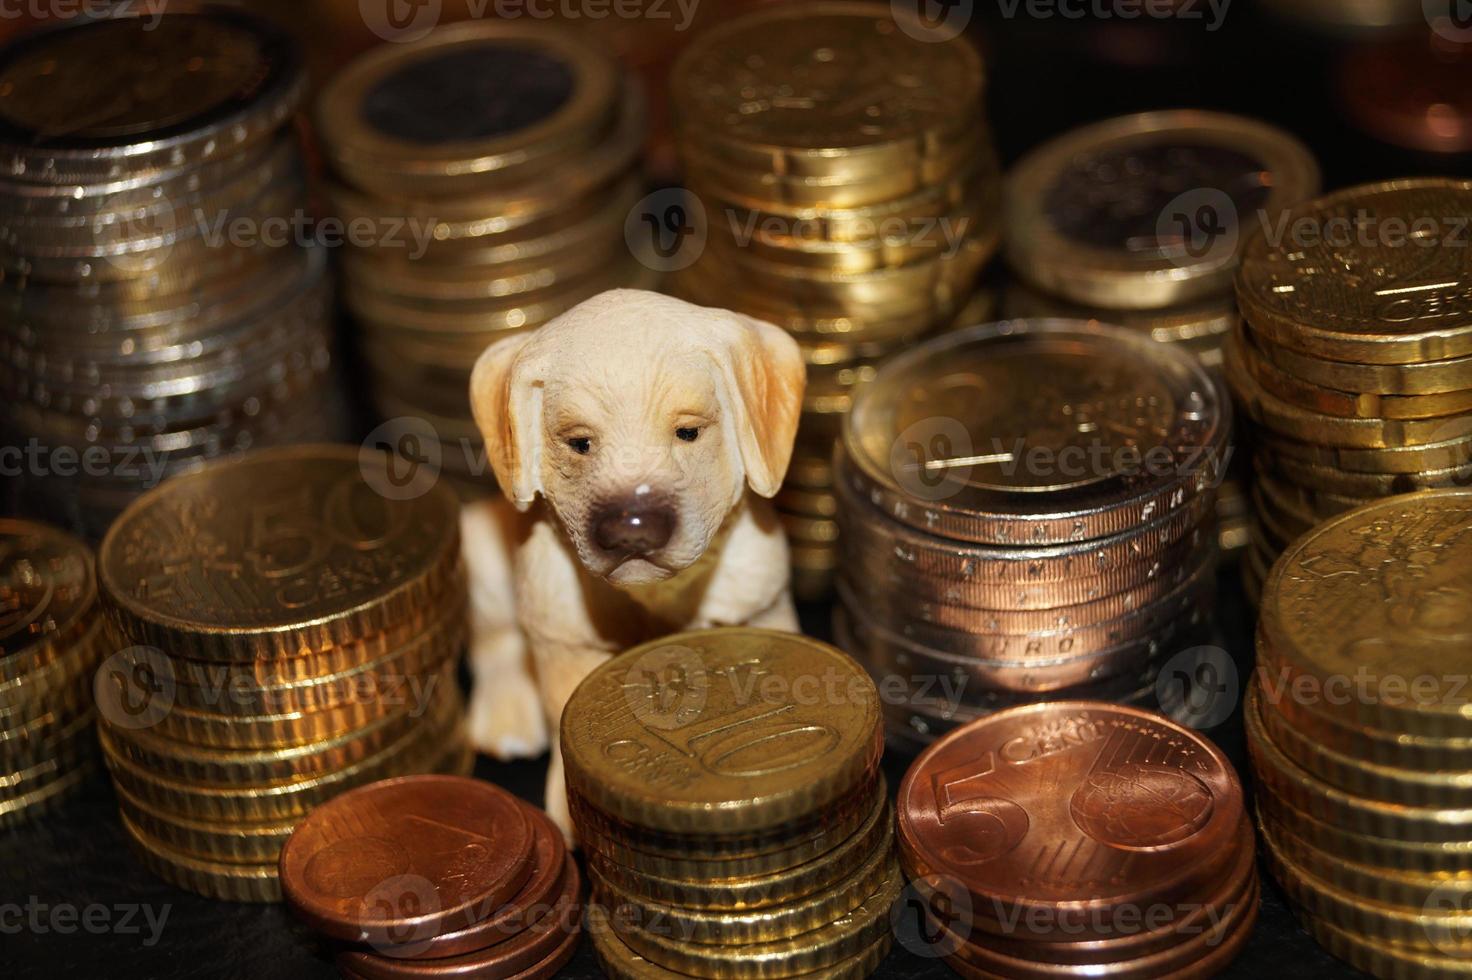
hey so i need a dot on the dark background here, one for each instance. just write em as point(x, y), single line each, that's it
point(1045, 77)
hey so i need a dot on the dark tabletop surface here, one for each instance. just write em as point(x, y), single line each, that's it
point(1046, 76)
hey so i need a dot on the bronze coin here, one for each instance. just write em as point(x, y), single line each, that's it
point(537, 951)
point(1068, 810)
point(496, 925)
point(402, 860)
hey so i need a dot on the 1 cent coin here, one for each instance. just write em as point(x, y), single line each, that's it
point(407, 859)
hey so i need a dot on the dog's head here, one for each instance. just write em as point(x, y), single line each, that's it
point(642, 419)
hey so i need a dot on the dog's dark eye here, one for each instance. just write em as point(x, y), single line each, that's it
point(687, 434)
point(580, 445)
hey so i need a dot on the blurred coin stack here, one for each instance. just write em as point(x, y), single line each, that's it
point(844, 169)
point(1028, 513)
point(285, 632)
point(51, 638)
point(155, 311)
point(1078, 839)
point(382, 870)
point(725, 788)
point(1354, 356)
point(1138, 221)
point(488, 169)
point(1359, 727)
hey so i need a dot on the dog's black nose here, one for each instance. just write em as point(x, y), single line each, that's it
point(636, 527)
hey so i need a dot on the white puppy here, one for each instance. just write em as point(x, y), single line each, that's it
point(641, 420)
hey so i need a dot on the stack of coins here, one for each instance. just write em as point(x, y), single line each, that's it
point(1027, 511)
point(1079, 839)
point(1354, 359)
point(488, 169)
point(725, 788)
point(435, 876)
point(51, 638)
point(156, 310)
point(294, 633)
point(1359, 726)
point(850, 193)
point(1138, 221)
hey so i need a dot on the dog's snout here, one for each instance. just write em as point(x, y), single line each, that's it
point(635, 527)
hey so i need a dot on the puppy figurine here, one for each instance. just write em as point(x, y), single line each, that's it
point(653, 431)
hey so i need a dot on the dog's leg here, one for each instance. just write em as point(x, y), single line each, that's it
point(504, 717)
point(780, 615)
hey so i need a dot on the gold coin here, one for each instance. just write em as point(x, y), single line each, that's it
point(1346, 404)
point(756, 891)
point(1446, 857)
point(1281, 777)
point(1372, 746)
point(701, 862)
point(768, 924)
point(1204, 321)
point(208, 840)
point(277, 552)
point(727, 731)
point(1411, 927)
point(808, 530)
point(1373, 600)
point(1368, 779)
point(1387, 886)
point(1098, 215)
point(1385, 959)
point(48, 589)
point(1289, 420)
point(1322, 473)
point(847, 90)
point(425, 140)
point(43, 798)
point(1374, 274)
point(622, 963)
point(212, 879)
point(29, 694)
point(825, 946)
point(416, 751)
point(810, 503)
point(1417, 378)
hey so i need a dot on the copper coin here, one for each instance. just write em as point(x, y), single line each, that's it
point(1134, 940)
point(496, 925)
point(405, 859)
point(1203, 955)
point(1066, 811)
point(537, 951)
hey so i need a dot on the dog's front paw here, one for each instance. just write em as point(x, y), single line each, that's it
point(505, 717)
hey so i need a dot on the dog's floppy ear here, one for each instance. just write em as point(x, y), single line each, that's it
point(507, 409)
point(765, 377)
